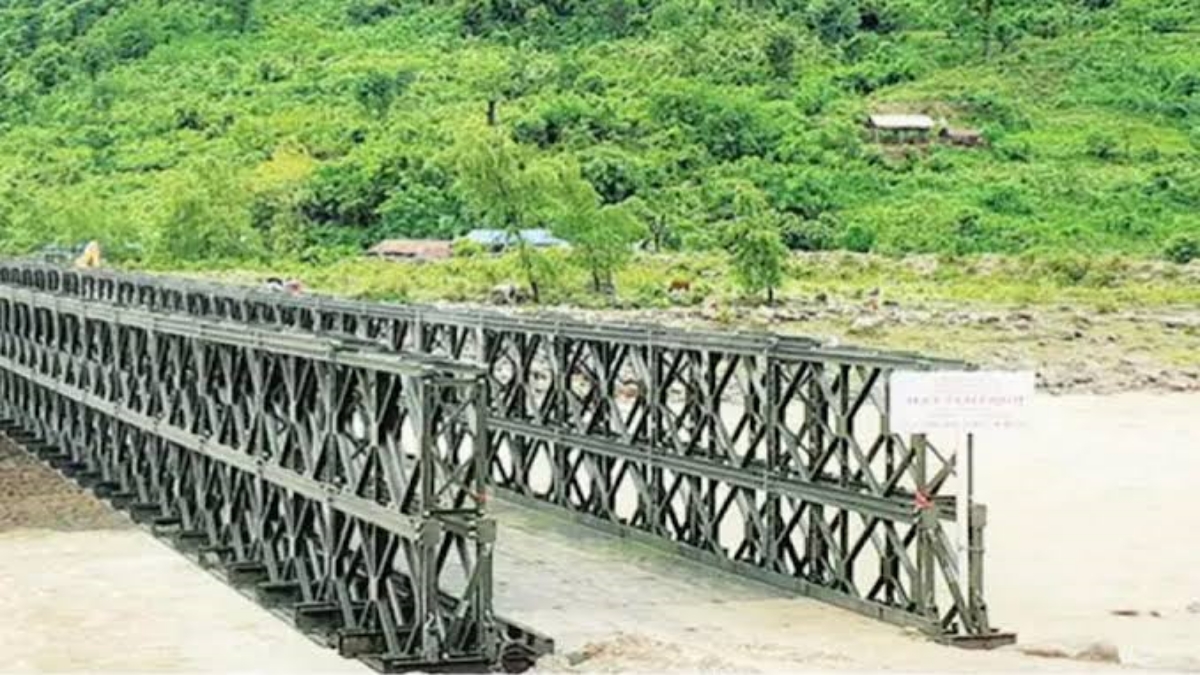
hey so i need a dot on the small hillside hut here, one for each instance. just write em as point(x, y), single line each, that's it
point(900, 128)
point(967, 138)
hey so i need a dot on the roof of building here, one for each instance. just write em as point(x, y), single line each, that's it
point(536, 237)
point(488, 237)
point(411, 248)
point(901, 122)
point(541, 238)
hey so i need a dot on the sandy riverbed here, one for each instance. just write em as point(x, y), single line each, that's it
point(1093, 510)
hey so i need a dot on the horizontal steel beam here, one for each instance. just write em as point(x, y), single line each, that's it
point(897, 510)
point(304, 345)
point(788, 346)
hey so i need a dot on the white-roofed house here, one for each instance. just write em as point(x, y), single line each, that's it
point(900, 128)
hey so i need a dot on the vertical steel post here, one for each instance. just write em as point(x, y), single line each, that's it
point(657, 399)
point(769, 370)
point(890, 562)
point(427, 601)
point(817, 416)
point(923, 587)
point(485, 539)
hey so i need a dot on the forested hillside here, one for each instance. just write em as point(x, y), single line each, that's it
point(187, 130)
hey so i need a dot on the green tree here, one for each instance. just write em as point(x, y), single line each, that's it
point(984, 19)
point(780, 51)
point(602, 235)
point(50, 66)
point(94, 58)
point(755, 245)
point(500, 183)
point(377, 91)
point(206, 218)
point(241, 13)
point(833, 20)
point(367, 12)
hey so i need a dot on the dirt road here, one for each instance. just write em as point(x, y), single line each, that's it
point(1092, 512)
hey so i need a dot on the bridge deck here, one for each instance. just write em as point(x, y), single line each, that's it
point(119, 600)
point(632, 608)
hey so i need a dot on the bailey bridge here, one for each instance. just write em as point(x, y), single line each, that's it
point(334, 459)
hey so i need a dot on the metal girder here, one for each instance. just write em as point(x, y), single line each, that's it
point(347, 489)
point(768, 455)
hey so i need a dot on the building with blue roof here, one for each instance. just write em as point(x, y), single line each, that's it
point(498, 240)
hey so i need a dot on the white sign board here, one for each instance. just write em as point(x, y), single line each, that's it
point(960, 402)
point(925, 402)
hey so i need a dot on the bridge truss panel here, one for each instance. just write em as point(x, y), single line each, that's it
point(767, 455)
point(346, 487)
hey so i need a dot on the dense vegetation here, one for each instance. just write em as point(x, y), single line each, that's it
point(181, 131)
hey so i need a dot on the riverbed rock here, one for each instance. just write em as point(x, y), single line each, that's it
point(1100, 652)
point(1179, 323)
point(865, 325)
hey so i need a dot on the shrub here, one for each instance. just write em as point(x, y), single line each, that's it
point(810, 235)
point(1182, 249)
point(730, 127)
point(206, 218)
point(995, 109)
point(94, 58)
point(1066, 269)
point(859, 238)
point(868, 76)
point(1008, 200)
point(833, 20)
point(1013, 149)
point(1167, 20)
point(376, 91)
point(563, 118)
point(367, 12)
point(1103, 146)
point(134, 37)
point(807, 195)
point(781, 55)
point(879, 16)
point(466, 248)
point(50, 66)
point(615, 175)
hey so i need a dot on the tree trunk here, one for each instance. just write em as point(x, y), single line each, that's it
point(527, 266)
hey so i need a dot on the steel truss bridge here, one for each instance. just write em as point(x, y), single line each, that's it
point(336, 454)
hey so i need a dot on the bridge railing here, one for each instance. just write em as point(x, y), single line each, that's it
point(770, 456)
point(346, 486)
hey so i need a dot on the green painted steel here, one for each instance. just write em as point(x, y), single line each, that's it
point(767, 455)
point(346, 485)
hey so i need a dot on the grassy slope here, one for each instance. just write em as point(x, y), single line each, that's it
point(276, 105)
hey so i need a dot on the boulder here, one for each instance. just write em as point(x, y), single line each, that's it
point(865, 325)
point(1100, 652)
